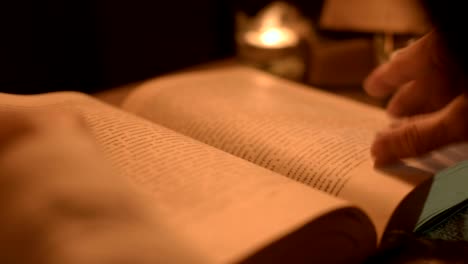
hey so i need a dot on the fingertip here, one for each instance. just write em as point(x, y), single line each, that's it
point(381, 151)
point(369, 84)
point(395, 110)
point(397, 122)
point(375, 84)
point(384, 161)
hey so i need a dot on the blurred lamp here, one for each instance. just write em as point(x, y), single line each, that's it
point(394, 23)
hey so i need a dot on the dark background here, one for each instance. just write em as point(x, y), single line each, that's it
point(91, 45)
point(450, 19)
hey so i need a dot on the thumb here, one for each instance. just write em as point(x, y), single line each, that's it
point(420, 135)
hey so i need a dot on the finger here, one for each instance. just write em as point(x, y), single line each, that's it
point(408, 140)
point(405, 102)
point(406, 65)
point(396, 123)
point(421, 135)
point(425, 95)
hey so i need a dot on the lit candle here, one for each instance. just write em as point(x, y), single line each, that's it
point(271, 31)
point(271, 41)
point(272, 37)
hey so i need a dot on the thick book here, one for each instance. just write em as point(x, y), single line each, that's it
point(252, 168)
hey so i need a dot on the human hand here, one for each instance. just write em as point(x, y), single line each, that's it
point(428, 102)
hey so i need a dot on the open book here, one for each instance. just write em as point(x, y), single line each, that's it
point(252, 168)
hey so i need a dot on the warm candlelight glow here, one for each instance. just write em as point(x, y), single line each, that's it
point(271, 30)
point(274, 41)
point(272, 37)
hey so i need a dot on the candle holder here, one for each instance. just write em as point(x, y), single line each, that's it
point(275, 40)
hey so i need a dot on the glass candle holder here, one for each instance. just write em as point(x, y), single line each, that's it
point(273, 41)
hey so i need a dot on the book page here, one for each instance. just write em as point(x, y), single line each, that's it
point(228, 209)
point(58, 205)
point(308, 135)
